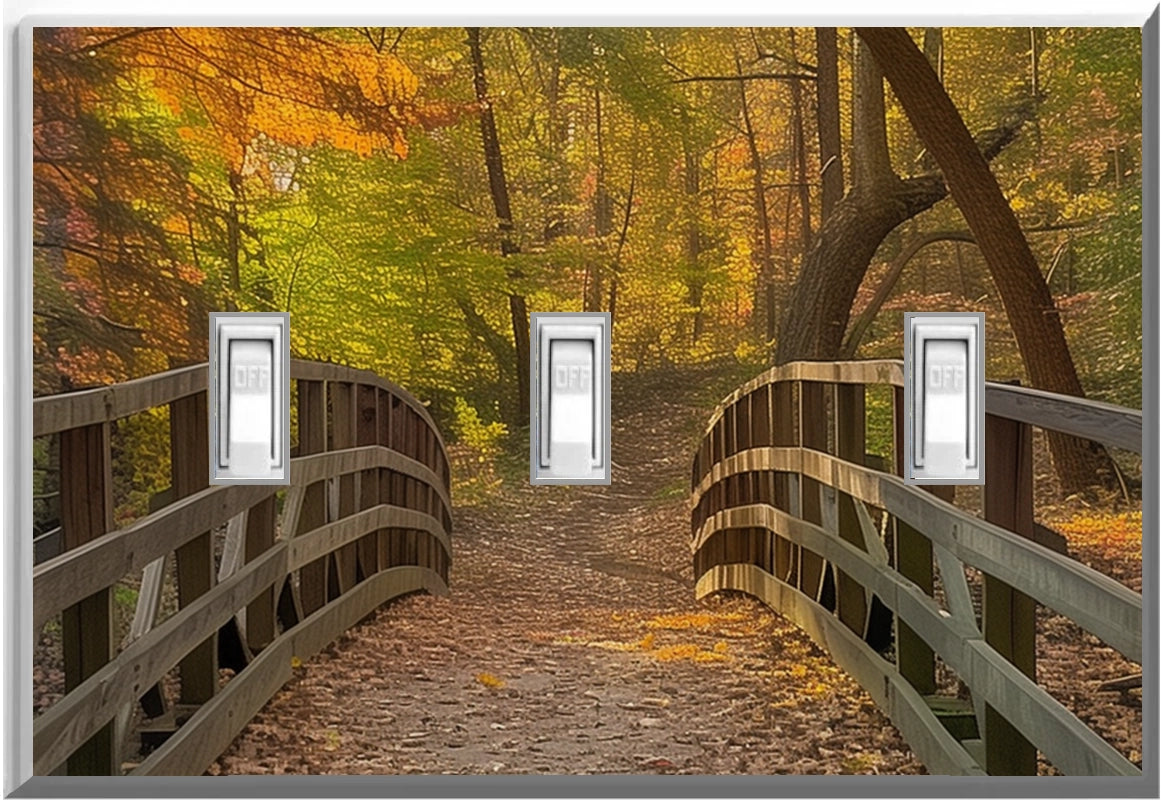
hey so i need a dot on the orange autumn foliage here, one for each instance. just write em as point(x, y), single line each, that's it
point(296, 86)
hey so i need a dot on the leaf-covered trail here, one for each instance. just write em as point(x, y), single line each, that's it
point(572, 643)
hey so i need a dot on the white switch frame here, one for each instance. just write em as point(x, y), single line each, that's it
point(227, 326)
point(918, 329)
point(544, 328)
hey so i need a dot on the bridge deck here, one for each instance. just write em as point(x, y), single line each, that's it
point(580, 599)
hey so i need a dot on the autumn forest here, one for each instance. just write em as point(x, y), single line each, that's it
point(735, 198)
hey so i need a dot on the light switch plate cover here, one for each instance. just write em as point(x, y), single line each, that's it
point(943, 387)
point(570, 370)
point(249, 398)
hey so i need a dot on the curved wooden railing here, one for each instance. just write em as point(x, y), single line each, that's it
point(265, 576)
point(783, 508)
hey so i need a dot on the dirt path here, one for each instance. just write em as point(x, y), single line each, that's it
point(572, 643)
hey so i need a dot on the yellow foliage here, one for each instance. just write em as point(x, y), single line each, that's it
point(1116, 535)
point(490, 680)
point(677, 622)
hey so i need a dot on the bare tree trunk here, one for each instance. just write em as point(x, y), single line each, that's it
point(602, 213)
point(800, 154)
point(830, 143)
point(763, 284)
point(1029, 305)
point(616, 265)
point(692, 184)
point(498, 184)
point(233, 241)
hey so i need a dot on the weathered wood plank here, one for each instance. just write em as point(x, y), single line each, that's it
point(913, 559)
point(885, 371)
point(59, 412)
point(312, 439)
point(1064, 739)
point(195, 746)
point(103, 561)
point(1009, 614)
point(259, 630)
point(318, 371)
point(342, 437)
point(786, 496)
point(906, 708)
point(189, 448)
point(86, 509)
point(1108, 424)
point(1089, 419)
point(812, 424)
point(61, 729)
point(851, 445)
point(367, 434)
point(1096, 602)
point(337, 534)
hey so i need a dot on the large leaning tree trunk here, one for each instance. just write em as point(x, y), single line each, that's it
point(498, 184)
point(1031, 310)
point(877, 202)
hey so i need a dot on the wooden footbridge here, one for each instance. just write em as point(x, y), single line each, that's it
point(786, 506)
point(264, 577)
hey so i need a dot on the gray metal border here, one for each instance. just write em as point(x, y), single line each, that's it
point(16, 488)
point(282, 362)
point(604, 367)
point(973, 318)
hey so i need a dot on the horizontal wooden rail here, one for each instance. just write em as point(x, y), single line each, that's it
point(57, 412)
point(1105, 423)
point(366, 518)
point(1102, 606)
point(211, 730)
point(778, 514)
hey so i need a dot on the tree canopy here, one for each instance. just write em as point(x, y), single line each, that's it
point(671, 176)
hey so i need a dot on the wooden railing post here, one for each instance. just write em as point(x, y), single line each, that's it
point(189, 448)
point(784, 434)
point(812, 422)
point(367, 433)
point(384, 438)
point(86, 628)
point(914, 561)
point(312, 438)
point(260, 538)
point(342, 437)
point(850, 445)
point(1009, 615)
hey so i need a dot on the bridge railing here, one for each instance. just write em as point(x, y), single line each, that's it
point(786, 508)
point(264, 576)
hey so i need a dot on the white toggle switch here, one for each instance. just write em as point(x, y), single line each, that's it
point(249, 398)
point(570, 371)
point(943, 379)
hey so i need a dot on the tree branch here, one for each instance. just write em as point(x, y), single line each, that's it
point(753, 76)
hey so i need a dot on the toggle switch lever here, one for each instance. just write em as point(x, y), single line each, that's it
point(249, 398)
point(943, 381)
point(570, 370)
